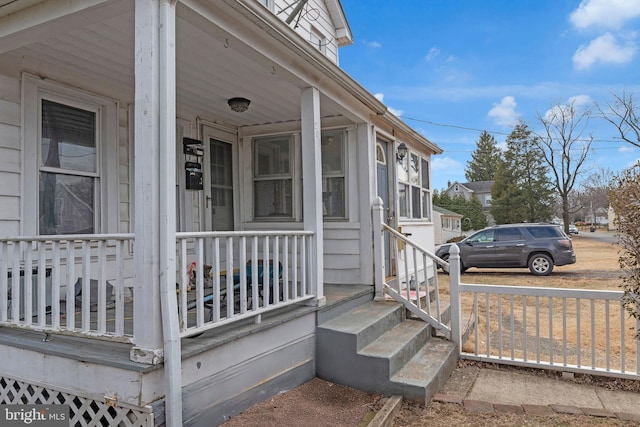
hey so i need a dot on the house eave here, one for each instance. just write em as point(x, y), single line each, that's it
point(280, 31)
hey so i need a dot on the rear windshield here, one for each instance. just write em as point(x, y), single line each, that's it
point(544, 232)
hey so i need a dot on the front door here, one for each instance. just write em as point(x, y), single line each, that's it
point(218, 184)
point(382, 172)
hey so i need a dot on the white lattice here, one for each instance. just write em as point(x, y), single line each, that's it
point(83, 411)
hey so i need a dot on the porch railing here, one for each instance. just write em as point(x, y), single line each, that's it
point(83, 284)
point(573, 330)
point(416, 280)
point(73, 284)
point(226, 277)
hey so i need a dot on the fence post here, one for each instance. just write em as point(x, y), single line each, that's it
point(377, 212)
point(454, 291)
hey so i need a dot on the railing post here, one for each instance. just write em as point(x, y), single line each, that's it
point(377, 212)
point(454, 291)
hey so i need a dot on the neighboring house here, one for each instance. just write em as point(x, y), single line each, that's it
point(221, 168)
point(481, 190)
point(447, 224)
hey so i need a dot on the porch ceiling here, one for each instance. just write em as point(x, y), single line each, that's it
point(97, 53)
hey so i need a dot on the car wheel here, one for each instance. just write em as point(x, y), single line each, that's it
point(541, 264)
point(445, 269)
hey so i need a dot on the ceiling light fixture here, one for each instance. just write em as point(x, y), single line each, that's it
point(239, 105)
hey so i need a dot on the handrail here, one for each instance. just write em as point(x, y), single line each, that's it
point(420, 281)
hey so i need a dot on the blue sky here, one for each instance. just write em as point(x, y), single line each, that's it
point(451, 69)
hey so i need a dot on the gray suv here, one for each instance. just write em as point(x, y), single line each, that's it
point(536, 246)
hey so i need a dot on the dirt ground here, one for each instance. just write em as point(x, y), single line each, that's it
point(320, 403)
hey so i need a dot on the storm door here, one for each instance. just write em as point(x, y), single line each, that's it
point(218, 191)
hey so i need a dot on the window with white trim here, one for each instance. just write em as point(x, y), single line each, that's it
point(273, 177)
point(318, 40)
point(70, 152)
point(333, 151)
point(414, 192)
point(69, 176)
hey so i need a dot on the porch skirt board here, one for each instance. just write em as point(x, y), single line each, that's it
point(216, 399)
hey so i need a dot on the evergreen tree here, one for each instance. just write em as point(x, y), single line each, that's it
point(522, 191)
point(469, 209)
point(484, 160)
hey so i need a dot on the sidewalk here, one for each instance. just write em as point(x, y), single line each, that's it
point(486, 390)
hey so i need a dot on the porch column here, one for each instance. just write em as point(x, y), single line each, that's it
point(312, 187)
point(154, 135)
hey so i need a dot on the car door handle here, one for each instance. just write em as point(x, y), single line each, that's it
point(489, 246)
point(520, 244)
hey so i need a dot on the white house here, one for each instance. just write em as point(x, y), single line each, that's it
point(186, 188)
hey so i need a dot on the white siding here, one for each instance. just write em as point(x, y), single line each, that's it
point(342, 254)
point(10, 162)
point(316, 15)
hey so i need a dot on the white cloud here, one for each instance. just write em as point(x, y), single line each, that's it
point(604, 49)
point(557, 112)
point(504, 113)
point(380, 97)
point(433, 52)
point(372, 44)
point(604, 13)
point(625, 149)
point(580, 101)
point(445, 164)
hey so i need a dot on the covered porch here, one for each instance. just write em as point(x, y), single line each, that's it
point(240, 255)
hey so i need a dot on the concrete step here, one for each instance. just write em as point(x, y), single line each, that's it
point(426, 372)
point(392, 350)
point(363, 324)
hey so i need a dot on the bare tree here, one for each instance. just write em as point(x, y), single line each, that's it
point(565, 149)
point(623, 114)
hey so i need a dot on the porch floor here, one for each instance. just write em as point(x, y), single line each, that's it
point(117, 354)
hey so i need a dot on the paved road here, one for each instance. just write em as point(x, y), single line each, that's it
point(600, 235)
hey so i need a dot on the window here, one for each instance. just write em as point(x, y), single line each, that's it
point(318, 40)
point(414, 195)
point(267, 3)
point(70, 160)
point(509, 235)
point(273, 178)
point(68, 171)
point(333, 151)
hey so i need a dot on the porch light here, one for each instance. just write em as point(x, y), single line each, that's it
point(239, 105)
point(401, 151)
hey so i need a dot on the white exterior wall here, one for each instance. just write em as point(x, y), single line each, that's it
point(10, 156)
point(11, 163)
point(318, 18)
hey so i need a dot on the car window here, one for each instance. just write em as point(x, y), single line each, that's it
point(544, 232)
point(509, 234)
point(482, 237)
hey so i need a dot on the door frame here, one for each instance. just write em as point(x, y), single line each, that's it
point(227, 135)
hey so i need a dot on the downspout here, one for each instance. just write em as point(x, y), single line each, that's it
point(168, 300)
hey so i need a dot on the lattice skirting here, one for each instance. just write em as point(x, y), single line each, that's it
point(83, 411)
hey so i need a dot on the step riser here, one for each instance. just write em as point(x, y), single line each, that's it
point(443, 364)
point(353, 358)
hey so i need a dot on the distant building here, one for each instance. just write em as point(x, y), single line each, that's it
point(481, 190)
point(448, 224)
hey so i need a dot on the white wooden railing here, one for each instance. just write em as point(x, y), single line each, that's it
point(415, 280)
point(217, 283)
point(71, 284)
point(573, 330)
